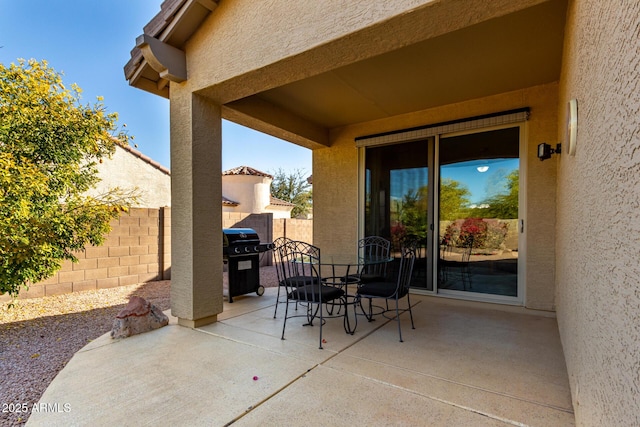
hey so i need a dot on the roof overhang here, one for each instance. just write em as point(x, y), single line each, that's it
point(518, 49)
point(157, 57)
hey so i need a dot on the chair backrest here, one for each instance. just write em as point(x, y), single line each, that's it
point(466, 255)
point(375, 247)
point(407, 260)
point(278, 250)
point(302, 272)
point(303, 247)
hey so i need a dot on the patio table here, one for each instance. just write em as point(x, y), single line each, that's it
point(345, 269)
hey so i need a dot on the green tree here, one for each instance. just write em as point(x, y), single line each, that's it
point(454, 200)
point(293, 188)
point(49, 147)
point(413, 213)
point(505, 206)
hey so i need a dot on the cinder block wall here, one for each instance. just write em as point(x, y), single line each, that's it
point(132, 253)
point(296, 229)
point(138, 250)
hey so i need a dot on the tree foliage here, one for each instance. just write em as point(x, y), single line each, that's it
point(454, 200)
point(293, 188)
point(49, 147)
point(412, 213)
point(505, 205)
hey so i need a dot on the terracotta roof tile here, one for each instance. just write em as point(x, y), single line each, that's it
point(279, 202)
point(246, 170)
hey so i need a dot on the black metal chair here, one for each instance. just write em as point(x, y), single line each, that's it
point(372, 247)
point(303, 284)
point(278, 249)
point(394, 290)
point(448, 266)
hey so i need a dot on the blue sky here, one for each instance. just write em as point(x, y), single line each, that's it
point(89, 41)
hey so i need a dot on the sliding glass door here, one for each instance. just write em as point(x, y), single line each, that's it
point(467, 224)
point(478, 213)
point(397, 199)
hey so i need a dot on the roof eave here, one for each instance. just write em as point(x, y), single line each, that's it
point(163, 39)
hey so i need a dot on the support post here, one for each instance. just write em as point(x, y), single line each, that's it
point(196, 194)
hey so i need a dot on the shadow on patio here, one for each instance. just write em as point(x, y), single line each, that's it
point(464, 364)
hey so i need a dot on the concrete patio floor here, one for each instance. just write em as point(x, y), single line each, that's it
point(464, 364)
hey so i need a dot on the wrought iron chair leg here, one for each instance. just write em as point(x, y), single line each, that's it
point(346, 321)
point(275, 312)
point(370, 315)
point(321, 322)
point(410, 312)
point(398, 319)
point(286, 312)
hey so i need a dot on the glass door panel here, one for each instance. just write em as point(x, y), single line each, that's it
point(478, 213)
point(397, 199)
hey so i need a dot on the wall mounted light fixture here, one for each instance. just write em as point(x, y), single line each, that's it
point(545, 151)
point(572, 126)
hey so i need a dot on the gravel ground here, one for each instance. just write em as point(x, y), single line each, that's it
point(38, 337)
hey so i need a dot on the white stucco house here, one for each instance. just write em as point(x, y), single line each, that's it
point(130, 170)
point(248, 190)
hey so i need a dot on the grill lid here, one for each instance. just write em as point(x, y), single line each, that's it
point(233, 236)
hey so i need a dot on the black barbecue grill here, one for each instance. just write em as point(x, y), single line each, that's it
point(241, 249)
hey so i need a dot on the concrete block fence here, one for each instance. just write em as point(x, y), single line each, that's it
point(138, 250)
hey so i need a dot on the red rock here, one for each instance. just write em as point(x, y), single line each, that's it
point(137, 306)
point(137, 317)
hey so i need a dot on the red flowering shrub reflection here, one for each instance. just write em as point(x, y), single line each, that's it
point(398, 235)
point(473, 232)
point(480, 233)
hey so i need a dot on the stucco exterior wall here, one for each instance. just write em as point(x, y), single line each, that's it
point(598, 295)
point(336, 201)
point(257, 63)
point(128, 171)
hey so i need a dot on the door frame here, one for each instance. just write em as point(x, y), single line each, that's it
point(434, 170)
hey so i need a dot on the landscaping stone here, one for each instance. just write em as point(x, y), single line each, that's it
point(137, 317)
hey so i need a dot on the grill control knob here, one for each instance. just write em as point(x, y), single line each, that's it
point(256, 249)
point(236, 250)
point(247, 249)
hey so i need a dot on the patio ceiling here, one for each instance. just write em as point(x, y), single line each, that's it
point(514, 51)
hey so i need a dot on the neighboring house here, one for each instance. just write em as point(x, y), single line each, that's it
point(248, 190)
point(131, 170)
point(392, 97)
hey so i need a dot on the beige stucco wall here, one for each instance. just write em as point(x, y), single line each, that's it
point(248, 62)
point(337, 168)
point(598, 268)
point(128, 172)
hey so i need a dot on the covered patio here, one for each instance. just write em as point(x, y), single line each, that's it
point(358, 81)
point(464, 364)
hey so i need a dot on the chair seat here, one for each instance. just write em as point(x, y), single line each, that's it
point(379, 289)
point(363, 278)
point(316, 293)
point(370, 277)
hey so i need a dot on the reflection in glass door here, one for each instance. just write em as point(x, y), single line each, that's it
point(478, 213)
point(397, 199)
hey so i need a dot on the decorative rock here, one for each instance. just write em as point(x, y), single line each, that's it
point(137, 317)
